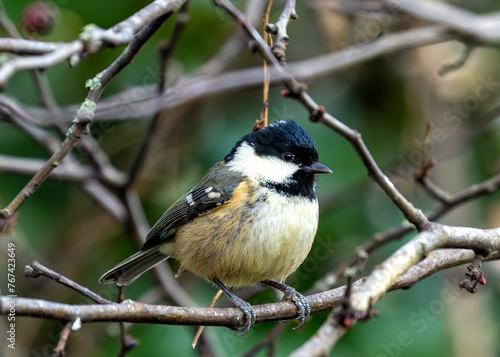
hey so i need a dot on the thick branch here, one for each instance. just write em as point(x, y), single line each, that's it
point(229, 317)
point(322, 342)
point(436, 236)
point(145, 313)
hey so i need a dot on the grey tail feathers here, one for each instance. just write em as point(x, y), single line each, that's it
point(132, 267)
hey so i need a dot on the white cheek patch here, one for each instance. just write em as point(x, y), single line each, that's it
point(269, 168)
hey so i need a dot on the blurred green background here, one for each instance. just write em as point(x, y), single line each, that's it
point(389, 100)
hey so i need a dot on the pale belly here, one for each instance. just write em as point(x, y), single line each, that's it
point(268, 241)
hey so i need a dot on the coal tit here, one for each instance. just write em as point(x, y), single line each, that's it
point(252, 218)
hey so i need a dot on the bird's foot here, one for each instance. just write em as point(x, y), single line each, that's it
point(301, 302)
point(290, 294)
point(247, 310)
point(241, 304)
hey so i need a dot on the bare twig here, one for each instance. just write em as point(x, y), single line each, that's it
point(262, 122)
point(39, 62)
point(487, 187)
point(25, 166)
point(145, 313)
point(483, 27)
point(63, 339)
point(127, 342)
point(200, 328)
point(435, 236)
point(36, 269)
point(279, 29)
point(92, 39)
point(437, 260)
point(167, 49)
point(474, 276)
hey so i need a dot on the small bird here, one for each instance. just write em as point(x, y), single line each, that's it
point(252, 218)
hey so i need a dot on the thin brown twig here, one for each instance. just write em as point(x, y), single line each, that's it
point(200, 329)
point(59, 350)
point(262, 122)
point(36, 269)
point(265, 90)
point(127, 342)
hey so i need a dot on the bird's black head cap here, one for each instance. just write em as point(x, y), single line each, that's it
point(280, 138)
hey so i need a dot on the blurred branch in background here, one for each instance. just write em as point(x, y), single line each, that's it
point(415, 24)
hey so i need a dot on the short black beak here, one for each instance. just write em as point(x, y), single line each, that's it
point(317, 168)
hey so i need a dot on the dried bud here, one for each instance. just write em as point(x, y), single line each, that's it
point(482, 280)
point(38, 18)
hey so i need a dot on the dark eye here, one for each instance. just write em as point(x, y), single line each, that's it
point(288, 156)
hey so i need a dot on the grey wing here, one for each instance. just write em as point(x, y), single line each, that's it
point(195, 202)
